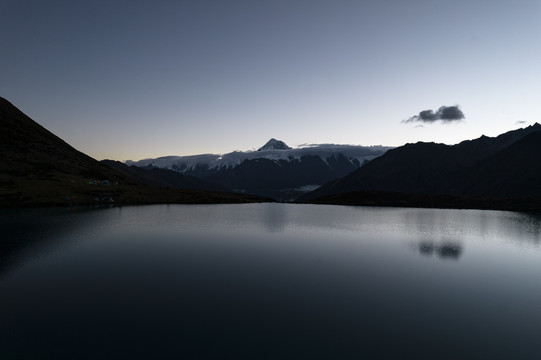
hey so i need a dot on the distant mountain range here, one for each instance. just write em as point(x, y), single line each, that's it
point(503, 167)
point(163, 178)
point(38, 168)
point(274, 170)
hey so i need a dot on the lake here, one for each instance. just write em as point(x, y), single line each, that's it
point(269, 281)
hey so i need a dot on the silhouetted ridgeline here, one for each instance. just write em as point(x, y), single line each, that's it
point(163, 178)
point(38, 168)
point(487, 173)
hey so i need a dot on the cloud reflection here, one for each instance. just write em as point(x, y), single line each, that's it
point(445, 250)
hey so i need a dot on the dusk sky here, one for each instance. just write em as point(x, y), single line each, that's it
point(138, 79)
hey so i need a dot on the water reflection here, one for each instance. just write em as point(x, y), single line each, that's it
point(275, 217)
point(526, 227)
point(269, 281)
point(445, 250)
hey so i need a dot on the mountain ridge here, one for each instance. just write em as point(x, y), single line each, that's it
point(432, 169)
point(283, 173)
point(163, 178)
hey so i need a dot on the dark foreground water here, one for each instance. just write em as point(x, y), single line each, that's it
point(269, 281)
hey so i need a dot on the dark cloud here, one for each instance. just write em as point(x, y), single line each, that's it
point(445, 113)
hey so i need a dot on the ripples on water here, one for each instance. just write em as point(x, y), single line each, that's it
point(269, 281)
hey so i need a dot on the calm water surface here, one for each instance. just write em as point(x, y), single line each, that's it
point(269, 281)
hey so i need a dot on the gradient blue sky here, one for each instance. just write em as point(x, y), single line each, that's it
point(138, 79)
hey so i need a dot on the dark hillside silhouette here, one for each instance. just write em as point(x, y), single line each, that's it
point(504, 167)
point(37, 168)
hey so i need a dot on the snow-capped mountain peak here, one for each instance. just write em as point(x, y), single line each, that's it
point(186, 165)
point(274, 144)
point(275, 170)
